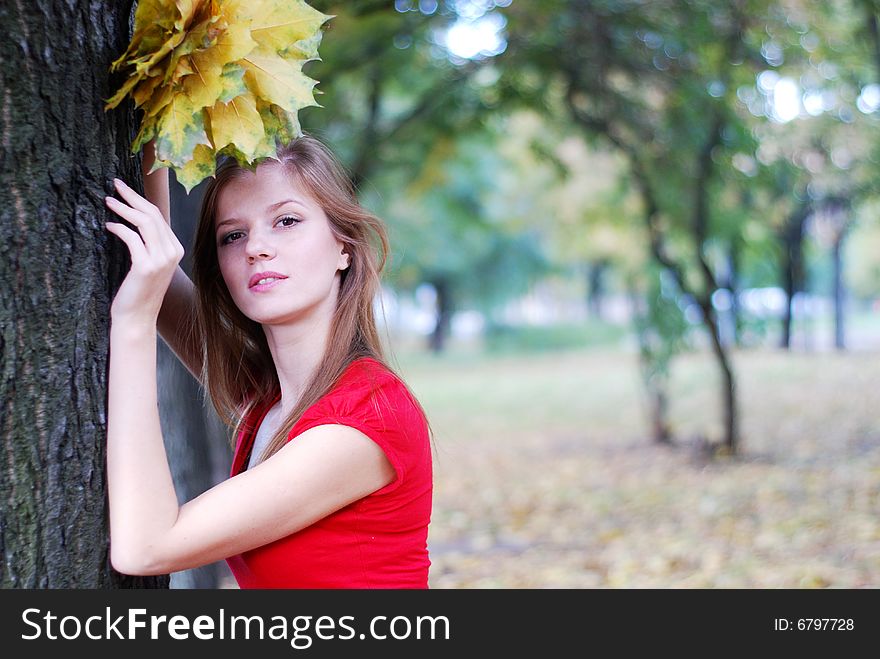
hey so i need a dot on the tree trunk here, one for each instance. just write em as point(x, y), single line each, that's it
point(792, 238)
point(728, 391)
point(59, 272)
point(839, 292)
point(596, 286)
point(437, 341)
point(732, 285)
point(699, 228)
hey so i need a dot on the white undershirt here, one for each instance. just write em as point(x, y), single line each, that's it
point(264, 433)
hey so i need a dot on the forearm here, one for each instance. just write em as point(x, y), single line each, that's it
point(177, 314)
point(143, 503)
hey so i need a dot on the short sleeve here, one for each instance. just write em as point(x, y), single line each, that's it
point(372, 400)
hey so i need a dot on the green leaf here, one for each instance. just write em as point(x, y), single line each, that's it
point(304, 49)
point(180, 128)
point(145, 134)
point(195, 171)
point(280, 124)
point(232, 82)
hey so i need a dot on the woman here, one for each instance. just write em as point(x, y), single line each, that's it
point(331, 480)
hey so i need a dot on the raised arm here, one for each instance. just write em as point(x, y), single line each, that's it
point(327, 468)
point(176, 318)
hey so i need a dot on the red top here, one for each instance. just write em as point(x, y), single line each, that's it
point(379, 541)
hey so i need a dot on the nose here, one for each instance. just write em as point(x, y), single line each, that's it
point(258, 247)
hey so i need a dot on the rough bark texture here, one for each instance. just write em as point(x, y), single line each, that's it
point(59, 271)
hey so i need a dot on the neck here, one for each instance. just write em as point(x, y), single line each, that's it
point(297, 350)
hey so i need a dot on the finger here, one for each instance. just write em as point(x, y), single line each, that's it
point(150, 229)
point(135, 200)
point(132, 239)
point(141, 204)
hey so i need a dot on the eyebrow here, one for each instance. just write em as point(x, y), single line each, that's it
point(270, 208)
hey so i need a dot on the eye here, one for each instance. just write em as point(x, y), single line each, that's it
point(231, 237)
point(289, 221)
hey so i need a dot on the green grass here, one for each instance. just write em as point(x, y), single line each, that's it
point(506, 339)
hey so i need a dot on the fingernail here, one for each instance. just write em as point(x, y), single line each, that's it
point(119, 182)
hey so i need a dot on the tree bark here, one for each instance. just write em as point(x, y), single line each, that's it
point(59, 272)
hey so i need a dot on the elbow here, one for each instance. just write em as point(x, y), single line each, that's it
point(135, 563)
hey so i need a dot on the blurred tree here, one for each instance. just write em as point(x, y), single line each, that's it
point(656, 81)
point(391, 98)
point(405, 115)
point(387, 89)
point(459, 227)
point(823, 121)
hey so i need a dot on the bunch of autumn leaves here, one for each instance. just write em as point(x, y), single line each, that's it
point(218, 77)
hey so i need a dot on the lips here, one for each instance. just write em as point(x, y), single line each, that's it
point(264, 279)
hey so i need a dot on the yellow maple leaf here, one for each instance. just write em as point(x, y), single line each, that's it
point(277, 28)
point(151, 19)
point(237, 122)
point(208, 67)
point(278, 81)
point(216, 76)
point(200, 167)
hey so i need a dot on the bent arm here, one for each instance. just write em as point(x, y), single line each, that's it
point(176, 322)
point(325, 469)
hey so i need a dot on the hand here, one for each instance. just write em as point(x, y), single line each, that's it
point(155, 253)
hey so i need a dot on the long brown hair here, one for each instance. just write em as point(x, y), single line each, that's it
point(238, 369)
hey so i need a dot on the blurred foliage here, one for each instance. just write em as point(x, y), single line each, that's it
point(738, 119)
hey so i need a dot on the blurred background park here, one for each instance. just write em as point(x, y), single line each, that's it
point(635, 279)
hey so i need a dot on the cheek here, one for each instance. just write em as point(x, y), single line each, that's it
point(227, 272)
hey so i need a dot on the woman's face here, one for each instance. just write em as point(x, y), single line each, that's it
point(277, 253)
